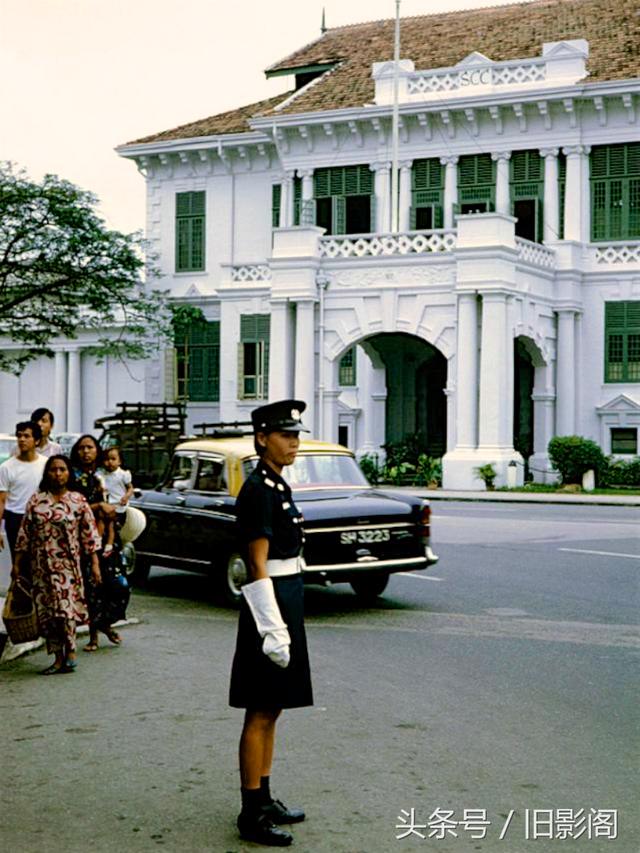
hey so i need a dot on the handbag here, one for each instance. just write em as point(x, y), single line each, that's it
point(19, 613)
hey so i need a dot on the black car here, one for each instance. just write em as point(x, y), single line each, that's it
point(354, 533)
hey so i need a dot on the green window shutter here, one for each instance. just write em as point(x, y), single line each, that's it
point(240, 370)
point(347, 368)
point(339, 214)
point(190, 231)
point(562, 179)
point(476, 179)
point(321, 183)
point(297, 200)
point(276, 196)
point(526, 182)
point(427, 180)
point(170, 374)
point(622, 341)
point(615, 191)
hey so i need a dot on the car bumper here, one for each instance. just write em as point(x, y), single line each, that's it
point(335, 572)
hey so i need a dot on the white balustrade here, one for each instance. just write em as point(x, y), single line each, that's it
point(380, 245)
point(251, 272)
point(617, 254)
point(496, 74)
point(534, 253)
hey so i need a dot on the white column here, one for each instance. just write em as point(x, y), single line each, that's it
point(551, 211)
point(304, 381)
point(467, 371)
point(503, 200)
point(404, 215)
point(496, 416)
point(565, 373)
point(585, 222)
point(279, 351)
point(382, 173)
point(60, 391)
point(74, 392)
point(307, 195)
point(575, 192)
point(450, 188)
point(286, 200)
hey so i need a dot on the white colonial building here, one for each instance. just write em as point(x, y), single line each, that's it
point(504, 310)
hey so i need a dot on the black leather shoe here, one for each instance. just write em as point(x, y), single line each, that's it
point(260, 829)
point(277, 812)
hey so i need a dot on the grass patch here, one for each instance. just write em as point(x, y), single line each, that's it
point(549, 488)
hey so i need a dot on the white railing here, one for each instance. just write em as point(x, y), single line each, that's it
point(534, 253)
point(251, 273)
point(381, 245)
point(497, 74)
point(617, 254)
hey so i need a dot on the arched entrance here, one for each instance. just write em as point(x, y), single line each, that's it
point(525, 359)
point(416, 376)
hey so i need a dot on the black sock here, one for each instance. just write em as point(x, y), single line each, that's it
point(265, 790)
point(251, 800)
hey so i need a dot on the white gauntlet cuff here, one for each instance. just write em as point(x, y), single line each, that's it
point(261, 599)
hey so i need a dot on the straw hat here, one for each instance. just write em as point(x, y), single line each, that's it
point(134, 524)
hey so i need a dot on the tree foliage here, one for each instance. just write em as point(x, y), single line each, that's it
point(63, 272)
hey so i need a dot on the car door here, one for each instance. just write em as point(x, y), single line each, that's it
point(173, 522)
point(209, 506)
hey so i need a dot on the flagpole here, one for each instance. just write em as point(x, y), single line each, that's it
point(395, 125)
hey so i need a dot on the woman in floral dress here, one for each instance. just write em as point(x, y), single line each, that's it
point(58, 530)
point(85, 458)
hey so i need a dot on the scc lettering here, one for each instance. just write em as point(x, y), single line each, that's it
point(477, 77)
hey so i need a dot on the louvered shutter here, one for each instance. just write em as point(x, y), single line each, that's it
point(240, 370)
point(170, 379)
point(276, 196)
point(427, 191)
point(615, 191)
point(190, 231)
point(339, 214)
point(297, 200)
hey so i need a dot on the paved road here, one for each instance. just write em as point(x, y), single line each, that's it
point(503, 680)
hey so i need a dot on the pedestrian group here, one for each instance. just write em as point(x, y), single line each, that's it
point(60, 517)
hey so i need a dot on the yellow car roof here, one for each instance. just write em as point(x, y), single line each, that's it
point(242, 446)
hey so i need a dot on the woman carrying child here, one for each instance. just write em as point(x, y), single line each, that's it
point(85, 456)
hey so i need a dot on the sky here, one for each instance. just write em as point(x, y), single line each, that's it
point(80, 77)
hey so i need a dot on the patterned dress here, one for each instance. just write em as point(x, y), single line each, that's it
point(56, 532)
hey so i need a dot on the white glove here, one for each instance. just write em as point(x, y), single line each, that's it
point(261, 598)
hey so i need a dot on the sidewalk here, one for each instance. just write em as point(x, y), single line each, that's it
point(519, 497)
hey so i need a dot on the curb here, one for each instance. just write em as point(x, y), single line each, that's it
point(11, 652)
point(521, 497)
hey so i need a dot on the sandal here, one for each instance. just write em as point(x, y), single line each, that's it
point(90, 647)
point(52, 670)
point(114, 637)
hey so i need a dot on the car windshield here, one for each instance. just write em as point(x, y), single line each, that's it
point(319, 469)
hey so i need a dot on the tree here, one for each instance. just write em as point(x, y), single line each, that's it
point(62, 271)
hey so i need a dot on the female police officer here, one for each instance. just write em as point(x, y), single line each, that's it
point(271, 665)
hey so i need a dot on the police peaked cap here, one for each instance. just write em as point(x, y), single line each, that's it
point(283, 416)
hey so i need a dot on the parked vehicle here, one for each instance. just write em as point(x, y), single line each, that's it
point(146, 433)
point(354, 533)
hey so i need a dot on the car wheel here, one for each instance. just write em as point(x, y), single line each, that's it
point(136, 568)
point(369, 588)
point(236, 574)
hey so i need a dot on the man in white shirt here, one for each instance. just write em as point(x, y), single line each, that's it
point(20, 477)
point(45, 446)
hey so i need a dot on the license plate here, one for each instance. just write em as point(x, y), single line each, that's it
point(351, 537)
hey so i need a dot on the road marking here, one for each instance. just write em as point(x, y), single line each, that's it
point(601, 553)
point(418, 577)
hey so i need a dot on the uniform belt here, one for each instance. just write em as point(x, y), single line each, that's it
point(279, 568)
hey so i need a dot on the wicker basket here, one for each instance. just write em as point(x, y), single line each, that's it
point(19, 613)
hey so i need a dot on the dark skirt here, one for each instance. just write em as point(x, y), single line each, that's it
point(258, 683)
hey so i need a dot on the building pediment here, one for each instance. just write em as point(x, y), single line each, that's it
point(473, 60)
point(619, 405)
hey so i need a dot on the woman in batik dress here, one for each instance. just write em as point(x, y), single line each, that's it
point(58, 531)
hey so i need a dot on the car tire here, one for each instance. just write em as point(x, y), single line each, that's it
point(235, 575)
point(136, 568)
point(369, 588)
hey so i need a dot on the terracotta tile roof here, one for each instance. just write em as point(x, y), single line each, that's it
point(516, 31)
point(233, 121)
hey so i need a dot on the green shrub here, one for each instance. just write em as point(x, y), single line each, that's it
point(573, 455)
point(428, 470)
point(370, 466)
point(621, 472)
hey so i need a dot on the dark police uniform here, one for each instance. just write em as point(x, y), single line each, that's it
point(265, 509)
